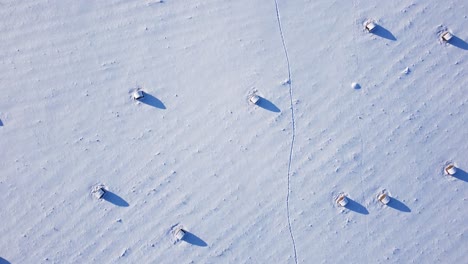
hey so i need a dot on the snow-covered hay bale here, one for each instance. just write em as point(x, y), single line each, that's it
point(179, 234)
point(384, 198)
point(446, 36)
point(254, 98)
point(342, 200)
point(98, 191)
point(451, 169)
point(370, 26)
point(138, 95)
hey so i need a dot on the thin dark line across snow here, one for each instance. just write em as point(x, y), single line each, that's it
point(293, 129)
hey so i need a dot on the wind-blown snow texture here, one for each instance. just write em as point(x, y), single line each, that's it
point(195, 153)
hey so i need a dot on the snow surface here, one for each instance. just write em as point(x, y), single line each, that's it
point(249, 183)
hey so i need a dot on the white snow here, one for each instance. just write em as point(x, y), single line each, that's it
point(249, 184)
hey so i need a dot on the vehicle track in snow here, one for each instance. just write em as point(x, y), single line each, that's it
point(293, 123)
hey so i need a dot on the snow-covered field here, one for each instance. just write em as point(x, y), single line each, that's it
point(250, 183)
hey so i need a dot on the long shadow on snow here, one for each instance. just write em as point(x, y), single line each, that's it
point(4, 261)
point(459, 43)
point(461, 175)
point(356, 207)
point(193, 239)
point(114, 199)
point(1, 124)
point(398, 205)
point(266, 104)
point(152, 101)
point(383, 33)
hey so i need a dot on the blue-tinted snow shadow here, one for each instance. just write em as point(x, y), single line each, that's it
point(266, 104)
point(4, 261)
point(152, 101)
point(461, 175)
point(1, 124)
point(193, 239)
point(356, 207)
point(114, 199)
point(459, 43)
point(398, 205)
point(383, 33)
